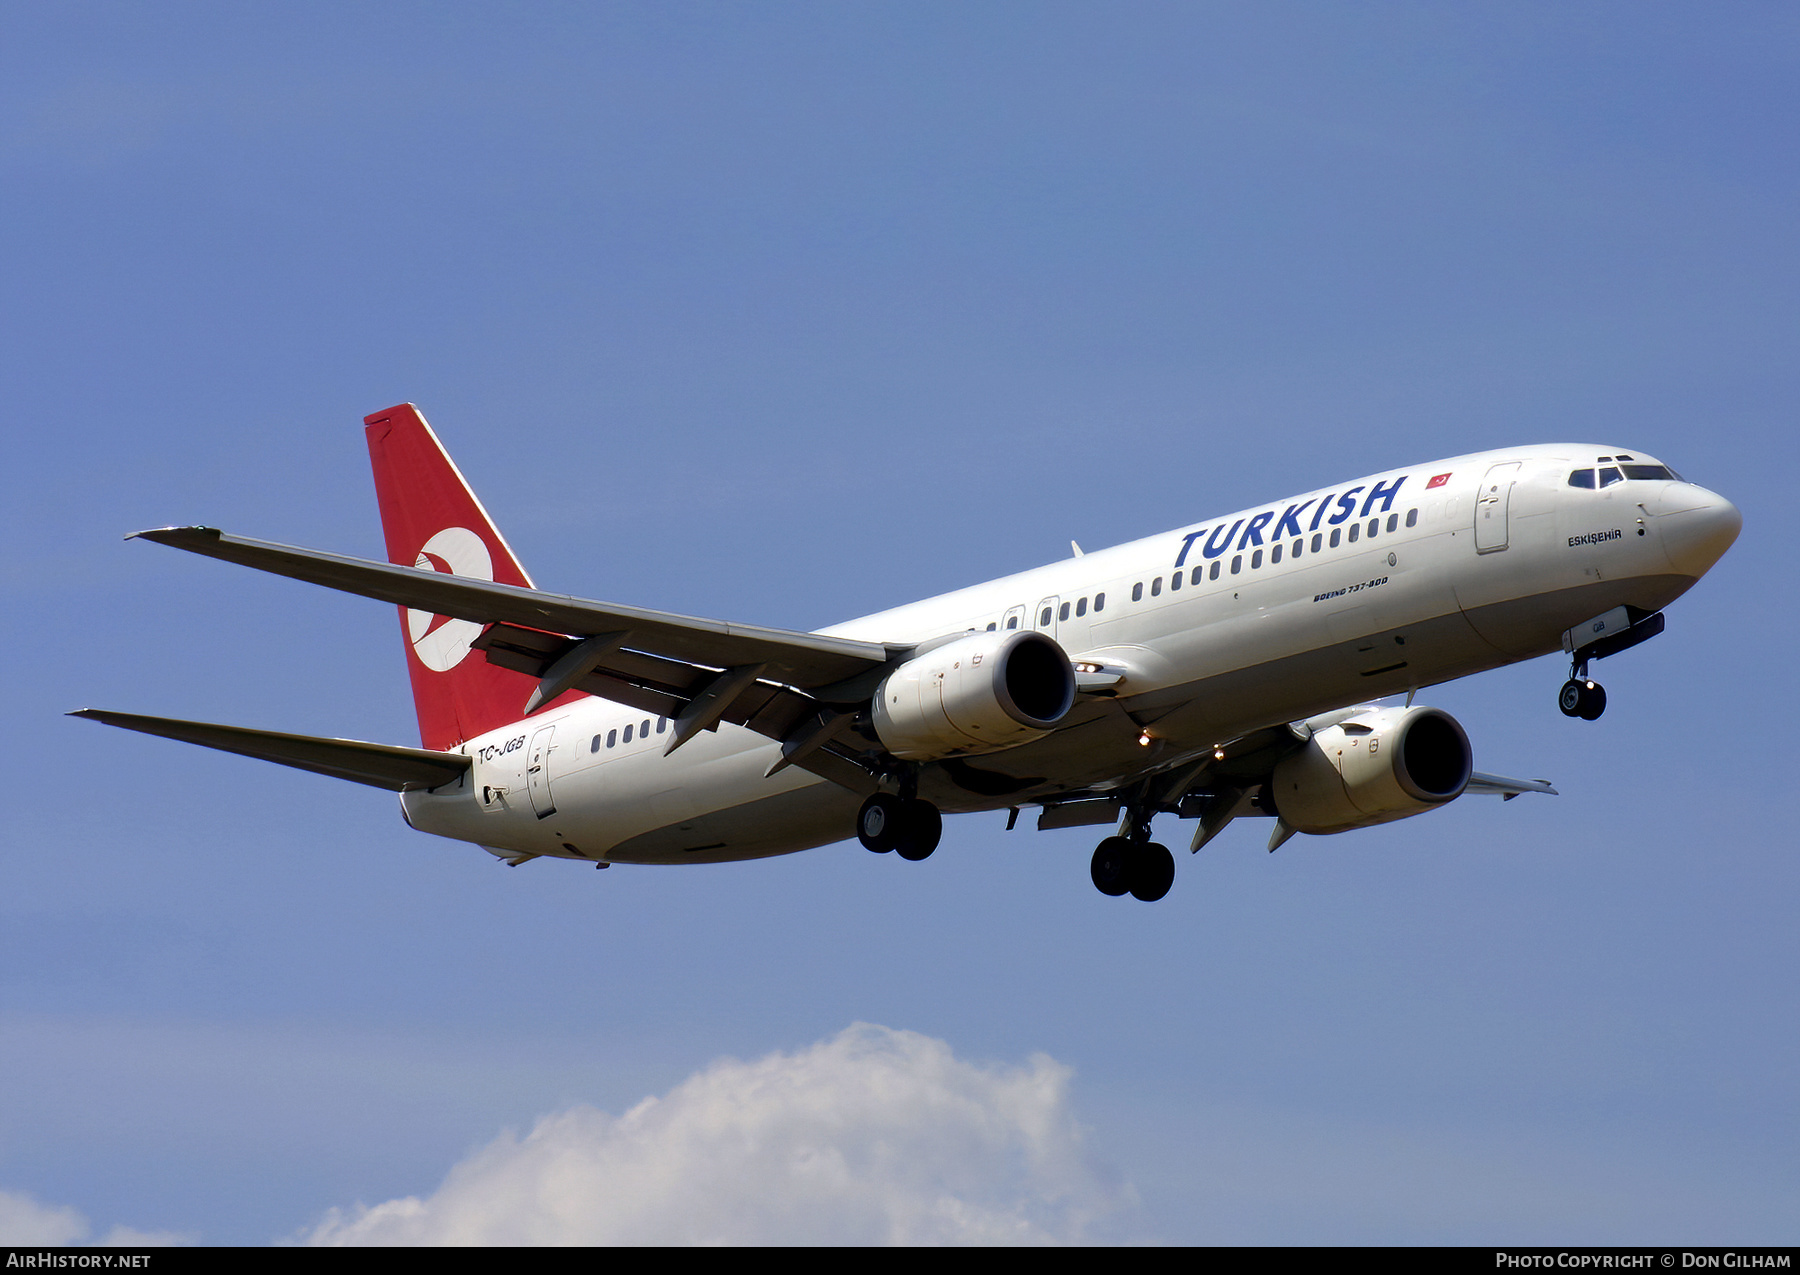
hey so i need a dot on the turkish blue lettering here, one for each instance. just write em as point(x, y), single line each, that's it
point(1383, 493)
point(1253, 533)
point(1346, 506)
point(1187, 542)
point(1290, 521)
point(1214, 545)
point(1318, 514)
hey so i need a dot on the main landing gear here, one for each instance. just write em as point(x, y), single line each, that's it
point(906, 825)
point(1133, 864)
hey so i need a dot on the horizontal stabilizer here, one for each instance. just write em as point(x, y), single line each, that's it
point(378, 765)
point(799, 659)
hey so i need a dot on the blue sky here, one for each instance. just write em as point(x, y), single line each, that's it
point(790, 313)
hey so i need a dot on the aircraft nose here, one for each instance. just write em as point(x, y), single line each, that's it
point(1697, 534)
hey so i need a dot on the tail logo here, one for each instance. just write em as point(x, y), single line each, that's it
point(442, 643)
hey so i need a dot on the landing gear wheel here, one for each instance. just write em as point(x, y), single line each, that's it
point(1109, 868)
point(887, 822)
point(1152, 871)
point(1581, 698)
point(920, 828)
point(880, 821)
point(1595, 703)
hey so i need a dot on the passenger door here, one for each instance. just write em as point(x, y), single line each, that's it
point(537, 772)
point(1491, 504)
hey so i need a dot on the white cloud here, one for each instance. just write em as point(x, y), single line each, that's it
point(24, 1223)
point(873, 1137)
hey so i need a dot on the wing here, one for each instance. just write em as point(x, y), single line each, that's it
point(799, 688)
point(1229, 781)
point(1500, 785)
point(808, 660)
point(378, 765)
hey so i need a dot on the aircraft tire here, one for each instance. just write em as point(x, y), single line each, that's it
point(1109, 867)
point(1593, 703)
point(921, 827)
point(1569, 698)
point(880, 822)
point(1152, 872)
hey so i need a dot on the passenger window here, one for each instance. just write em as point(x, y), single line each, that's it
point(1099, 603)
point(644, 730)
point(1012, 621)
point(1318, 538)
point(1156, 587)
point(1196, 575)
point(595, 746)
point(1298, 545)
point(1044, 619)
point(1237, 563)
point(1063, 614)
point(1355, 529)
point(612, 737)
point(1175, 582)
point(1374, 525)
point(1412, 517)
point(660, 723)
point(1256, 560)
point(1214, 573)
point(628, 734)
point(1610, 476)
point(992, 626)
point(1335, 533)
point(1275, 554)
point(1081, 607)
point(1137, 591)
point(1393, 522)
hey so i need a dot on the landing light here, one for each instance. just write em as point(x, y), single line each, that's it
point(1144, 740)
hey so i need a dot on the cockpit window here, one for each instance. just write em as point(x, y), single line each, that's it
point(1610, 474)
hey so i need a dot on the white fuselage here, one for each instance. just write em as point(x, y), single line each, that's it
point(1375, 587)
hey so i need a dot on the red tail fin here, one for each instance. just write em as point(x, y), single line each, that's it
point(432, 519)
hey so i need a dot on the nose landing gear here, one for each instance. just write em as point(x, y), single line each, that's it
point(1619, 629)
point(1582, 698)
point(1133, 864)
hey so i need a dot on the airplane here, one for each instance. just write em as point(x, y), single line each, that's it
point(1232, 668)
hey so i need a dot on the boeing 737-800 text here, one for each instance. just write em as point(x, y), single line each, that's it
point(1226, 669)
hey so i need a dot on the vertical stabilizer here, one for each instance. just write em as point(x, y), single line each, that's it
point(433, 521)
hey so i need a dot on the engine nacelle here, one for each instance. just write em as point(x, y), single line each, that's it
point(1372, 768)
point(978, 694)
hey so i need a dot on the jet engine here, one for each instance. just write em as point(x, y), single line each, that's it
point(977, 694)
point(1371, 768)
